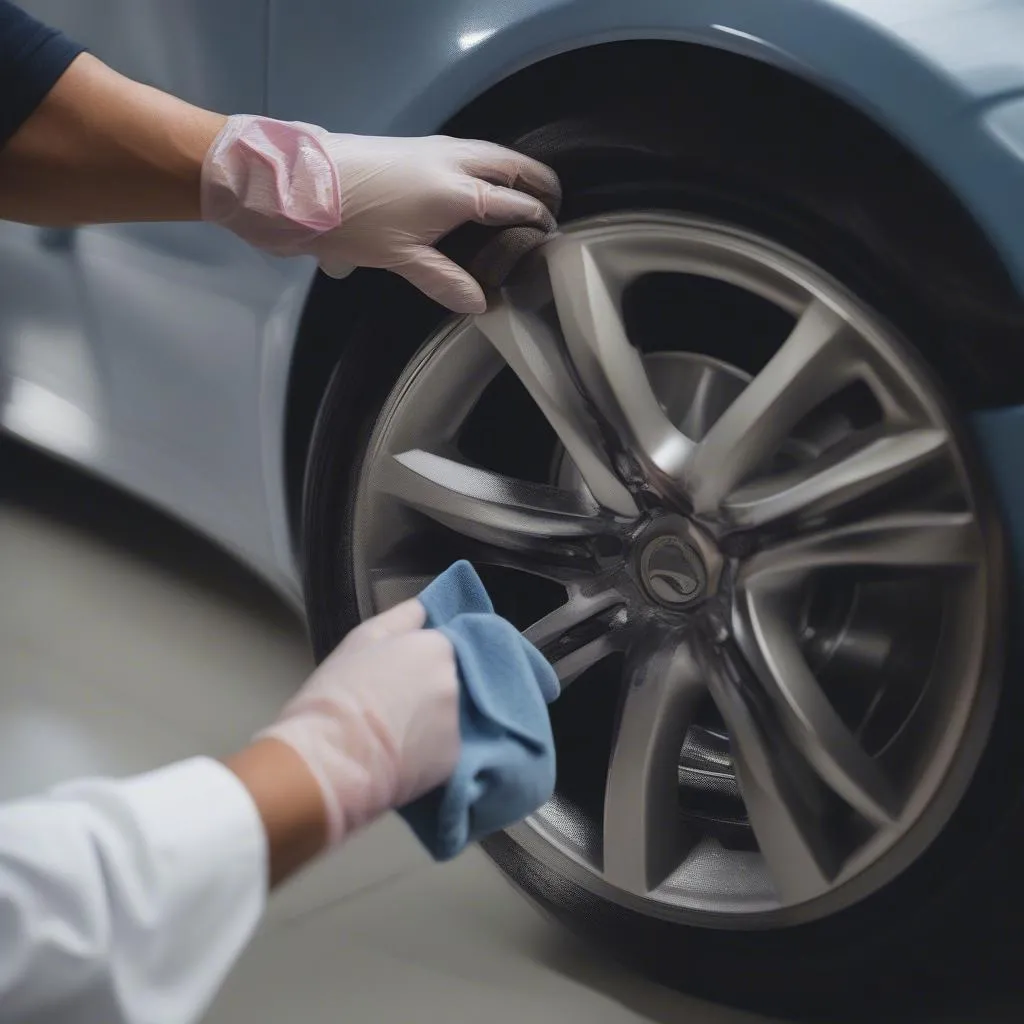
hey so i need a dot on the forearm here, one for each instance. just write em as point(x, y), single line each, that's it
point(103, 148)
point(121, 895)
point(289, 803)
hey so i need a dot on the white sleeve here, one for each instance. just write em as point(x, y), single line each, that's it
point(128, 901)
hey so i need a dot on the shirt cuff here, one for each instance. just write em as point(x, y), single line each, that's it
point(195, 808)
point(133, 898)
point(204, 839)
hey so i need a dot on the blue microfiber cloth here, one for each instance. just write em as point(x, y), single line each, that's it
point(507, 766)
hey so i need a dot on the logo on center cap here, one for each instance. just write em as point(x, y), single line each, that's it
point(672, 571)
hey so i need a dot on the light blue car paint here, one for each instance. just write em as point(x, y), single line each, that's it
point(158, 355)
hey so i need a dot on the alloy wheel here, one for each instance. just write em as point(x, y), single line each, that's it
point(789, 569)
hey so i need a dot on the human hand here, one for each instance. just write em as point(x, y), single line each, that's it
point(377, 723)
point(351, 200)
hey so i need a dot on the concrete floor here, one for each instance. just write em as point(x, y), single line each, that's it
point(126, 642)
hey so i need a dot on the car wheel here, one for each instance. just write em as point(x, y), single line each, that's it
point(708, 449)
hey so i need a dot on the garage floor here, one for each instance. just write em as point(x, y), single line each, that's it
point(126, 642)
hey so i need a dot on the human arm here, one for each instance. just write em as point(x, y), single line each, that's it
point(101, 148)
point(82, 143)
point(96, 147)
point(124, 901)
point(128, 900)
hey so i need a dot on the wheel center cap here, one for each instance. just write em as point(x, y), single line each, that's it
point(672, 571)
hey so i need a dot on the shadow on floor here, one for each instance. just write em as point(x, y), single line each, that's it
point(985, 1001)
point(63, 495)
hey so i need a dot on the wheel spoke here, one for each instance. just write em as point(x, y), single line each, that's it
point(536, 356)
point(580, 633)
point(779, 794)
point(609, 367)
point(645, 838)
point(391, 586)
point(570, 666)
point(808, 716)
point(565, 564)
point(418, 557)
point(818, 488)
point(911, 539)
point(697, 407)
point(812, 364)
point(488, 506)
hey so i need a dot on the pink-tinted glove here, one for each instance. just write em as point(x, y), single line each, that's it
point(378, 722)
point(353, 200)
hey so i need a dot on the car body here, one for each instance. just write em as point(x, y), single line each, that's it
point(187, 368)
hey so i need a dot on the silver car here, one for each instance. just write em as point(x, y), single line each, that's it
point(737, 450)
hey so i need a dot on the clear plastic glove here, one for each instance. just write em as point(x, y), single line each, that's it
point(378, 722)
point(352, 200)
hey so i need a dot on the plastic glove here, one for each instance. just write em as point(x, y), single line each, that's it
point(378, 722)
point(351, 200)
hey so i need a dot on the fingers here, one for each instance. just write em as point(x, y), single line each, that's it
point(502, 166)
point(407, 617)
point(433, 649)
point(443, 281)
point(403, 618)
point(335, 268)
point(497, 206)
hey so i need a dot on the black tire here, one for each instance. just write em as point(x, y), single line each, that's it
point(935, 282)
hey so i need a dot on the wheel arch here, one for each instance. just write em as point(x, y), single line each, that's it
point(581, 77)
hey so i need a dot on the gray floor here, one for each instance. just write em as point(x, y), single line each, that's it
point(127, 642)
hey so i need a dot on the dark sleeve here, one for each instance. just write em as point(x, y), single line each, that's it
point(32, 57)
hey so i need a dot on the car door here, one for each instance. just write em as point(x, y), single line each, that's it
point(178, 312)
point(49, 374)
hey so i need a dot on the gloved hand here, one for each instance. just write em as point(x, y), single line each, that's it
point(378, 722)
point(351, 200)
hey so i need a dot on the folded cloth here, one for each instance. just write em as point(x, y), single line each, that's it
point(506, 768)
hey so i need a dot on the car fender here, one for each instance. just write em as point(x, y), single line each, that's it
point(928, 71)
point(945, 77)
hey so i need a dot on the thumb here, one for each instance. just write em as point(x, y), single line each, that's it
point(406, 617)
point(443, 281)
point(334, 267)
point(403, 618)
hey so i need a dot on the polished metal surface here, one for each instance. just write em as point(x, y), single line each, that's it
point(790, 569)
point(672, 572)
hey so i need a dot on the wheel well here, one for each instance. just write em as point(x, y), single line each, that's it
point(794, 122)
